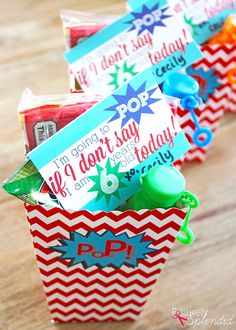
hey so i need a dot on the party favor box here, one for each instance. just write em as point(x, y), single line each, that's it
point(101, 266)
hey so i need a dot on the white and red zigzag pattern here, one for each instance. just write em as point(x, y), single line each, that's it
point(221, 58)
point(94, 294)
point(179, 162)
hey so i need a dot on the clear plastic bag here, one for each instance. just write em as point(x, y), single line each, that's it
point(77, 27)
point(80, 25)
point(42, 116)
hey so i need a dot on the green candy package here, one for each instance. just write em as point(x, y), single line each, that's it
point(27, 184)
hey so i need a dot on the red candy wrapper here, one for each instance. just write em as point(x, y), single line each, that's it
point(43, 116)
point(77, 27)
point(81, 25)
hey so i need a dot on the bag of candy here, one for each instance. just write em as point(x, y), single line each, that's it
point(42, 116)
point(80, 25)
point(77, 27)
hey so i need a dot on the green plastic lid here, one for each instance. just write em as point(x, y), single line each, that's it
point(163, 186)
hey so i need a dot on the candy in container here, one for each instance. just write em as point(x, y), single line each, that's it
point(43, 116)
point(40, 118)
point(77, 27)
point(27, 184)
point(80, 25)
point(228, 33)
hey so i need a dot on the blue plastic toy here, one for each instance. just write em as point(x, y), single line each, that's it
point(186, 88)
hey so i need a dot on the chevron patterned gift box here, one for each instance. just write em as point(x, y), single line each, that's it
point(217, 91)
point(79, 289)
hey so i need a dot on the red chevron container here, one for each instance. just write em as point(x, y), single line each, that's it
point(78, 293)
point(214, 74)
point(178, 164)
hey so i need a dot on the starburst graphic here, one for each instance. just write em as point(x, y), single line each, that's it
point(148, 19)
point(140, 106)
point(208, 81)
point(107, 182)
point(103, 250)
point(122, 75)
point(192, 27)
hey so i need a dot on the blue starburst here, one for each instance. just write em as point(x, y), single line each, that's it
point(137, 103)
point(207, 80)
point(148, 19)
point(103, 250)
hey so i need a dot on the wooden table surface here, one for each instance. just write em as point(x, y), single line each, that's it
point(198, 277)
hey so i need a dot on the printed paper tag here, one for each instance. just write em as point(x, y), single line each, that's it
point(204, 18)
point(95, 162)
point(149, 37)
